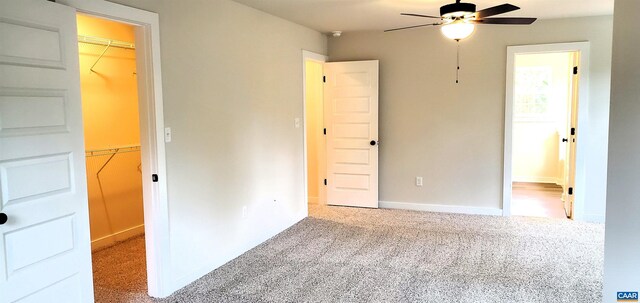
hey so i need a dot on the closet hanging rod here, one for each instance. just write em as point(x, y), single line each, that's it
point(112, 151)
point(105, 42)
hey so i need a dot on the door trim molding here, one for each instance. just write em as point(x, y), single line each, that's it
point(156, 212)
point(583, 120)
point(307, 55)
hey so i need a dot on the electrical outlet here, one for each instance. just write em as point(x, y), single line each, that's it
point(244, 212)
point(418, 181)
point(167, 134)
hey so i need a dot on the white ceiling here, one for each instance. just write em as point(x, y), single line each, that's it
point(358, 15)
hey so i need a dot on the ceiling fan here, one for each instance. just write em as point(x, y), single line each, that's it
point(458, 19)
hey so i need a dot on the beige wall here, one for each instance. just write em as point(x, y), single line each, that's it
point(315, 122)
point(110, 116)
point(232, 84)
point(538, 155)
point(452, 134)
point(622, 239)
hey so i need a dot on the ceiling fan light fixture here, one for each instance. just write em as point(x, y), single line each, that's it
point(457, 30)
point(457, 10)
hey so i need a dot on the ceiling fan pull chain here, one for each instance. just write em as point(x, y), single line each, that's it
point(457, 59)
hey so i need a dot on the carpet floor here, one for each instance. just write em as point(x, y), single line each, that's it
point(120, 272)
point(343, 254)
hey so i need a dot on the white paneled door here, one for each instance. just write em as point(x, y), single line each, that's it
point(351, 121)
point(45, 253)
point(570, 156)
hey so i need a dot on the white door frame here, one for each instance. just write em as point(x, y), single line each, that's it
point(156, 213)
point(307, 55)
point(583, 120)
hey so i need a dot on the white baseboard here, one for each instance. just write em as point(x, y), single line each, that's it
point(314, 200)
point(594, 218)
point(455, 209)
point(117, 237)
point(536, 179)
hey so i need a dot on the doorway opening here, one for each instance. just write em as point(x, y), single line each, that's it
point(110, 107)
point(344, 162)
point(543, 163)
point(152, 134)
point(315, 148)
point(542, 167)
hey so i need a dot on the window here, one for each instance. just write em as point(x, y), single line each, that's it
point(533, 93)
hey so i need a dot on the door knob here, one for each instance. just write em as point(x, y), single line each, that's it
point(373, 142)
point(564, 140)
point(3, 218)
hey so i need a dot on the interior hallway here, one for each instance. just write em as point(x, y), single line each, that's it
point(537, 200)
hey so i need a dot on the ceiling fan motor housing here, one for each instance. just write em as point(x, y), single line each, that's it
point(457, 10)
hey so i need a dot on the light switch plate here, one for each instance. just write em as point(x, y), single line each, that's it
point(296, 122)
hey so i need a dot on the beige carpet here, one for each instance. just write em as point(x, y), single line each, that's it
point(361, 255)
point(120, 272)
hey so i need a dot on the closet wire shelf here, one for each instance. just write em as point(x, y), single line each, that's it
point(105, 42)
point(112, 151)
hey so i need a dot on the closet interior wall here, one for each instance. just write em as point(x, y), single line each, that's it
point(111, 130)
point(315, 138)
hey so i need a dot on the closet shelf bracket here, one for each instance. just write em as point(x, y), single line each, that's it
point(100, 57)
point(105, 163)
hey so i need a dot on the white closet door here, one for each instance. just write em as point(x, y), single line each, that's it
point(45, 253)
point(351, 119)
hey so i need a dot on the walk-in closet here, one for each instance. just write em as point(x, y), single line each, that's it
point(112, 147)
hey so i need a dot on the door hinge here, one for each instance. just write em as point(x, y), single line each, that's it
point(573, 131)
point(575, 70)
point(570, 190)
point(324, 79)
point(325, 131)
point(325, 181)
point(154, 178)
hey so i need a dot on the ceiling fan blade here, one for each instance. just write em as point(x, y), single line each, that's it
point(408, 27)
point(512, 21)
point(496, 10)
point(418, 15)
